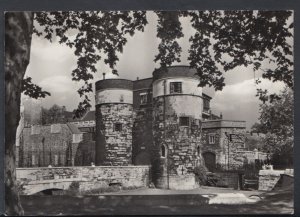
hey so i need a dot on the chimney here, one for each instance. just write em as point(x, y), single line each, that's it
point(221, 115)
point(137, 78)
point(103, 76)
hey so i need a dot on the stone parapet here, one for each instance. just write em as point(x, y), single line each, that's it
point(33, 180)
point(268, 179)
point(176, 182)
point(223, 124)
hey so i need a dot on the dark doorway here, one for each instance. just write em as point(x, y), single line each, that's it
point(210, 161)
point(142, 158)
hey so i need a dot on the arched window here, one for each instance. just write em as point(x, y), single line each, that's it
point(163, 151)
point(198, 150)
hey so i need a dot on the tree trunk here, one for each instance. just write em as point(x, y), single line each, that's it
point(18, 33)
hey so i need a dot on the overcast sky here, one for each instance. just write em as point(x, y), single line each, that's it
point(51, 65)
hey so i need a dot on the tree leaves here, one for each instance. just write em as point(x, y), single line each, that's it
point(277, 122)
point(33, 90)
point(99, 35)
point(241, 38)
point(223, 40)
point(168, 30)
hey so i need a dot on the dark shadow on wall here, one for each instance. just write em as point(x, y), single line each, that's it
point(143, 158)
point(85, 154)
point(100, 138)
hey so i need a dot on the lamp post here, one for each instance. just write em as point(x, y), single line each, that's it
point(228, 143)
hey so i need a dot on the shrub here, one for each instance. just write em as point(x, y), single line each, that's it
point(200, 172)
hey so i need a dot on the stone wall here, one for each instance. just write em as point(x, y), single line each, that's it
point(114, 147)
point(251, 156)
point(180, 142)
point(228, 179)
point(177, 182)
point(228, 153)
point(33, 180)
point(268, 179)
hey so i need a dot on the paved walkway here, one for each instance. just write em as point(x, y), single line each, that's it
point(162, 202)
point(203, 190)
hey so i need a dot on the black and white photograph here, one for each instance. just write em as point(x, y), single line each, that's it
point(181, 112)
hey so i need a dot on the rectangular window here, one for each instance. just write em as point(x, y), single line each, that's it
point(211, 139)
point(175, 87)
point(143, 98)
point(184, 121)
point(206, 105)
point(118, 127)
point(55, 159)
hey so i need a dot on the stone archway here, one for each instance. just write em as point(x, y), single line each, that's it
point(210, 161)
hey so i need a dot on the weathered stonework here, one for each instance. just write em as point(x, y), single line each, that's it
point(165, 119)
point(33, 180)
point(180, 143)
point(114, 147)
point(268, 179)
point(228, 153)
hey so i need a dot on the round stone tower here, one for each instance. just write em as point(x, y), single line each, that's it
point(177, 115)
point(114, 118)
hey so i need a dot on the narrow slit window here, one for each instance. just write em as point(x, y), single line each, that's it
point(163, 151)
point(211, 139)
point(122, 98)
point(118, 127)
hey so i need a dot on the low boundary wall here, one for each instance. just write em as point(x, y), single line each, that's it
point(33, 180)
point(269, 178)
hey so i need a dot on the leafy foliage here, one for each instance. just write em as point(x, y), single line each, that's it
point(55, 114)
point(276, 121)
point(33, 90)
point(168, 30)
point(99, 35)
point(241, 38)
point(222, 41)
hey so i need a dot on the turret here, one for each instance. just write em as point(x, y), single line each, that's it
point(114, 114)
point(177, 115)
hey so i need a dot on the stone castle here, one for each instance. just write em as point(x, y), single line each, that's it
point(166, 122)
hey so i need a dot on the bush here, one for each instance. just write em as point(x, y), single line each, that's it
point(200, 172)
point(73, 189)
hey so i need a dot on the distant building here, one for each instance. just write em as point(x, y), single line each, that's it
point(86, 124)
point(46, 145)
